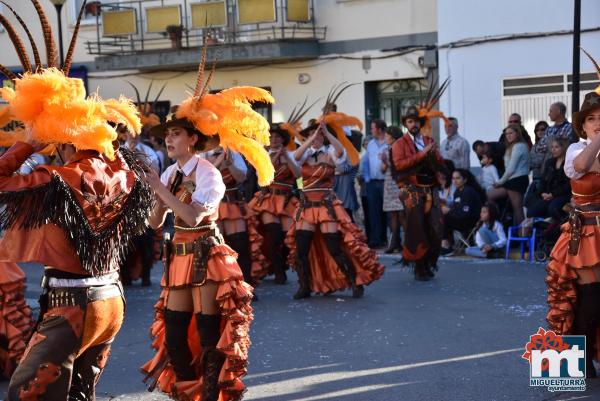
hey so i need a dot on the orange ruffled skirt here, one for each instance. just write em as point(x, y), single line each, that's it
point(16, 323)
point(325, 274)
point(233, 211)
point(562, 277)
point(233, 298)
point(274, 204)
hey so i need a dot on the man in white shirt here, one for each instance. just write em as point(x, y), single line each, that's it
point(455, 147)
point(377, 235)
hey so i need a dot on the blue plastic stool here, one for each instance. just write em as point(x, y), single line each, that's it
point(513, 232)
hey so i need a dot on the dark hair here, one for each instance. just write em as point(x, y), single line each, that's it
point(447, 171)
point(453, 119)
point(471, 181)
point(517, 115)
point(394, 132)
point(537, 126)
point(201, 142)
point(490, 154)
point(562, 108)
point(562, 142)
point(285, 136)
point(379, 124)
point(477, 143)
point(494, 213)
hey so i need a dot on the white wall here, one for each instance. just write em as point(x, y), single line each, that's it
point(475, 93)
point(358, 19)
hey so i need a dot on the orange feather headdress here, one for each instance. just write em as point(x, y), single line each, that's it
point(293, 124)
point(54, 106)
point(148, 118)
point(229, 114)
point(337, 121)
point(425, 108)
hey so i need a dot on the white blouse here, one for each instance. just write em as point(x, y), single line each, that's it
point(572, 152)
point(324, 149)
point(209, 182)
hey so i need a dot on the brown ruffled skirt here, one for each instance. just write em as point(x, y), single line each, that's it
point(325, 274)
point(235, 211)
point(16, 324)
point(233, 298)
point(562, 276)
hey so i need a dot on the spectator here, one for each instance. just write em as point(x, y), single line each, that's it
point(537, 159)
point(363, 178)
point(478, 148)
point(455, 147)
point(515, 180)
point(562, 128)
point(490, 237)
point(392, 205)
point(345, 174)
point(498, 149)
point(515, 118)
point(554, 190)
point(463, 214)
point(134, 143)
point(489, 172)
point(447, 188)
point(377, 235)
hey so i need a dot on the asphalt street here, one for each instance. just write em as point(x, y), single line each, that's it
point(458, 337)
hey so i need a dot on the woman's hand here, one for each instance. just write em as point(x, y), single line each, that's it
point(151, 177)
point(547, 196)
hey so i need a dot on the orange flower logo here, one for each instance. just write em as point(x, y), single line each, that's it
point(544, 340)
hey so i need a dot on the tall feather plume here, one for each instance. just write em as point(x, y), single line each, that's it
point(434, 98)
point(48, 36)
point(36, 53)
point(210, 75)
point(17, 42)
point(148, 93)
point(137, 92)
point(301, 112)
point(158, 96)
point(597, 90)
point(69, 57)
point(11, 75)
point(334, 95)
point(200, 78)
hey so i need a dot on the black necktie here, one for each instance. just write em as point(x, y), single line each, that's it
point(316, 155)
point(176, 182)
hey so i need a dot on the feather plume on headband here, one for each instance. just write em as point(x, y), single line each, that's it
point(229, 114)
point(426, 105)
point(148, 118)
point(293, 124)
point(54, 106)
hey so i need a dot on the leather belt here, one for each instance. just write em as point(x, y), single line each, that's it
point(591, 221)
point(189, 248)
point(233, 195)
point(81, 296)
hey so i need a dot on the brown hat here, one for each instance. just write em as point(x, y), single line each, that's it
point(159, 130)
point(590, 103)
point(412, 114)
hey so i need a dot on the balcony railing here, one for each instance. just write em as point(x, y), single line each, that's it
point(131, 27)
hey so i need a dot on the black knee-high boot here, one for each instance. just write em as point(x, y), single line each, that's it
point(274, 239)
point(176, 342)
point(333, 242)
point(587, 318)
point(303, 241)
point(240, 243)
point(209, 328)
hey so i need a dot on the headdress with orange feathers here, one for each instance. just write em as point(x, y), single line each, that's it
point(337, 121)
point(148, 118)
point(229, 114)
point(425, 108)
point(293, 124)
point(54, 106)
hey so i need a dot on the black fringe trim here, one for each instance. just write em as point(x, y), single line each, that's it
point(55, 203)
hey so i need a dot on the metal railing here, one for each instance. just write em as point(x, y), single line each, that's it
point(233, 33)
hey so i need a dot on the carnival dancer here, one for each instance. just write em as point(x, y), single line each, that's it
point(201, 328)
point(237, 221)
point(75, 219)
point(573, 274)
point(329, 251)
point(277, 203)
point(417, 162)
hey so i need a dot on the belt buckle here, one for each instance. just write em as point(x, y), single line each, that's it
point(180, 249)
point(597, 220)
